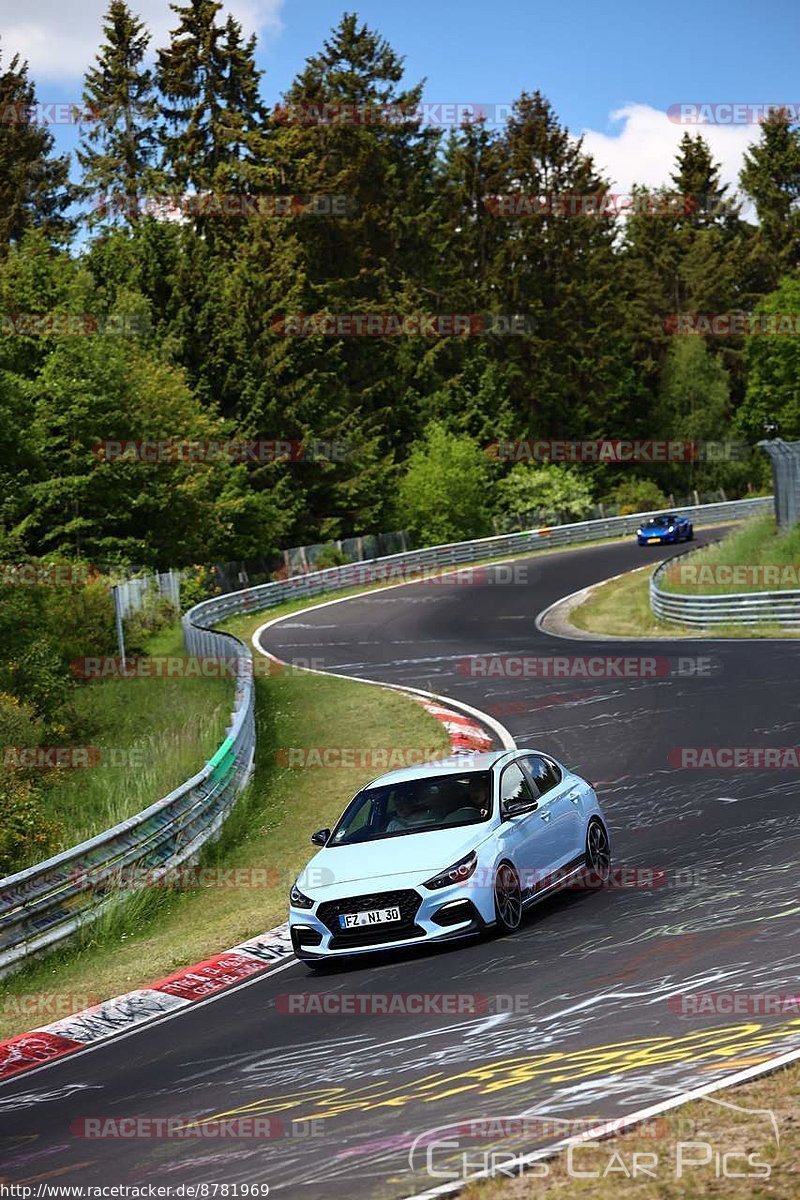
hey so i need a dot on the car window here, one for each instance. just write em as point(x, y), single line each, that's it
point(514, 785)
point(543, 773)
point(415, 806)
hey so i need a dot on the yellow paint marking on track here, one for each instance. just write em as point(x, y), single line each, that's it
point(740, 1063)
point(732, 1044)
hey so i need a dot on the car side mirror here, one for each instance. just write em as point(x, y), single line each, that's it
point(320, 838)
point(516, 808)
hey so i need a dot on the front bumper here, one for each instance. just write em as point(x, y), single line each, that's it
point(435, 916)
point(660, 539)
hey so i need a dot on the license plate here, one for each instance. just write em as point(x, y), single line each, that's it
point(649, 540)
point(376, 916)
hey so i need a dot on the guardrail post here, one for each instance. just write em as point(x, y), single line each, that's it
point(785, 458)
point(118, 623)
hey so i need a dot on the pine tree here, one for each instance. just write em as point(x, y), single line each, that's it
point(212, 111)
point(117, 153)
point(702, 199)
point(771, 176)
point(368, 259)
point(242, 113)
point(34, 185)
point(557, 269)
point(686, 250)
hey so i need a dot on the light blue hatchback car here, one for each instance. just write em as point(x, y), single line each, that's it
point(445, 850)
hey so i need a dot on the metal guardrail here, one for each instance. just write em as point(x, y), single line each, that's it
point(415, 563)
point(732, 608)
point(50, 901)
point(46, 903)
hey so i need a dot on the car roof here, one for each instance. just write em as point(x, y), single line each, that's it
point(453, 764)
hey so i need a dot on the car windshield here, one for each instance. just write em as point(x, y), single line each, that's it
point(415, 806)
point(667, 519)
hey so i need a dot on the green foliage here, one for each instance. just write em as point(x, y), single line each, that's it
point(19, 727)
point(771, 177)
point(117, 152)
point(330, 556)
point(695, 392)
point(34, 186)
point(26, 831)
point(27, 834)
point(211, 108)
point(444, 493)
point(189, 342)
point(636, 495)
point(156, 613)
point(545, 491)
point(198, 582)
point(773, 359)
point(108, 390)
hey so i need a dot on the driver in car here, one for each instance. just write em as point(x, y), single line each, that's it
point(479, 794)
point(408, 815)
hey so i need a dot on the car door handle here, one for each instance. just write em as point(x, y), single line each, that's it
point(546, 816)
point(575, 796)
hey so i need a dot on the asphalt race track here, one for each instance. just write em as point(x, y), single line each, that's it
point(576, 1022)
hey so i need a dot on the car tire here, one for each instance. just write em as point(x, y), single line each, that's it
point(690, 534)
point(507, 899)
point(598, 849)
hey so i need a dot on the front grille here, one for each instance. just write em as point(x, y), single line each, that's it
point(370, 935)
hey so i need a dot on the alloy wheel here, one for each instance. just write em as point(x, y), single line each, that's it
point(507, 898)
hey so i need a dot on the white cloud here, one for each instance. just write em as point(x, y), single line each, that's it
point(60, 39)
point(643, 150)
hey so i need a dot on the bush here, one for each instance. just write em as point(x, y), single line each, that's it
point(444, 494)
point(330, 556)
point(198, 583)
point(82, 619)
point(530, 490)
point(637, 495)
point(18, 725)
point(38, 674)
point(156, 614)
point(26, 834)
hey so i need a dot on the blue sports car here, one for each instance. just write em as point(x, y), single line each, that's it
point(667, 527)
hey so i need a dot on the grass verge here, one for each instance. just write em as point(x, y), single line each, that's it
point(621, 608)
point(151, 734)
point(716, 1130)
point(757, 543)
point(158, 930)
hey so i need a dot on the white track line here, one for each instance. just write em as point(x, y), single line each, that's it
point(503, 735)
point(449, 1189)
point(22, 1077)
point(607, 1128)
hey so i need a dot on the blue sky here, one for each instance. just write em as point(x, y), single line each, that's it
point(590, 58)
point(593, 60)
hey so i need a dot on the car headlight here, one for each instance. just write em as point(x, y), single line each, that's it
point(671, 529)
point(639, 532)
point(455, 874)
point(298, 899)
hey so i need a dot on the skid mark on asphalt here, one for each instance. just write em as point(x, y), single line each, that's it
point(488, 1078)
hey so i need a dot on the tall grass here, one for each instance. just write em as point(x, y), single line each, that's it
point(757, 543)
point(151, 735)
point(146, 934)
